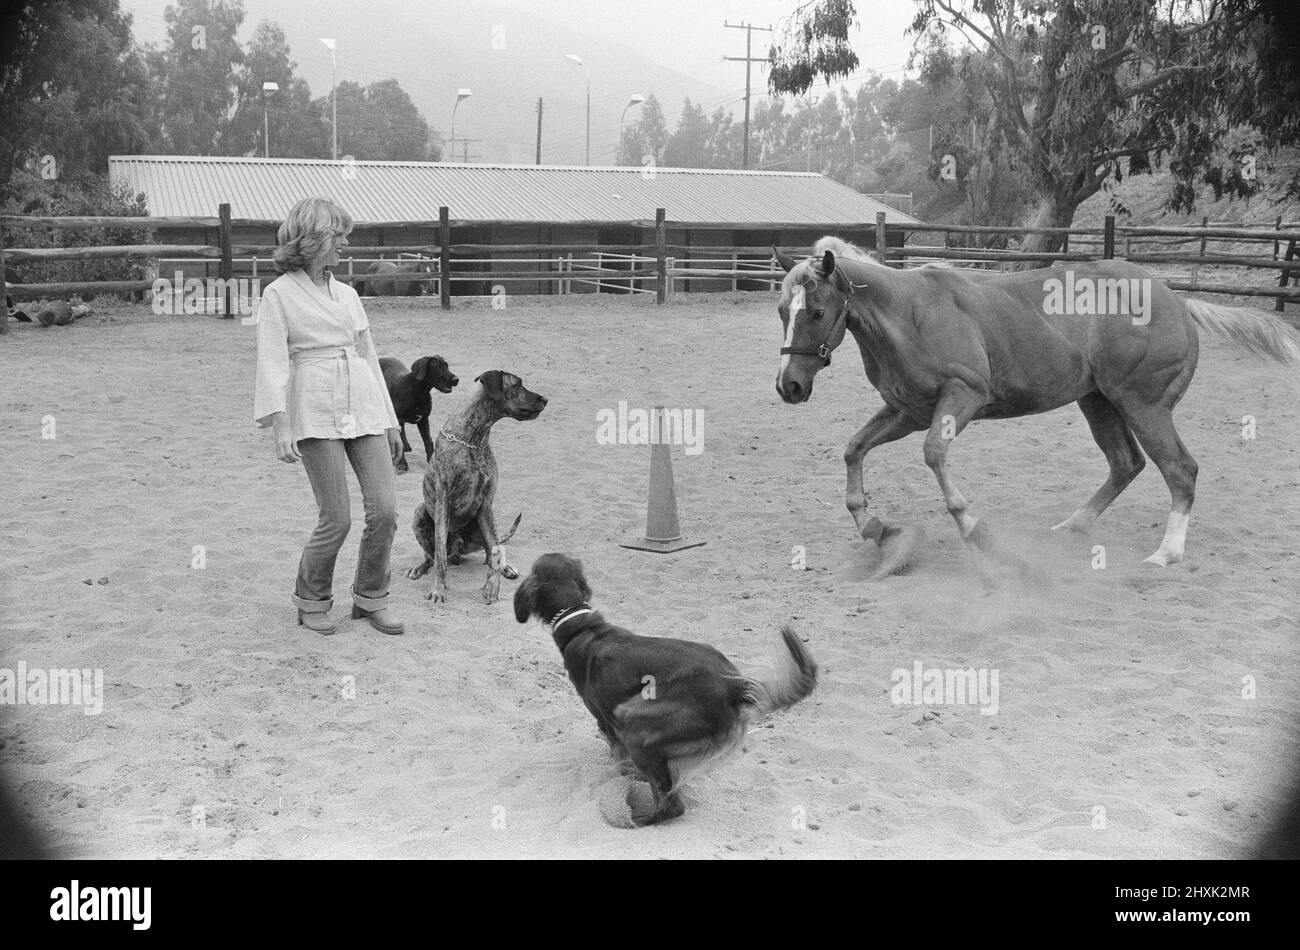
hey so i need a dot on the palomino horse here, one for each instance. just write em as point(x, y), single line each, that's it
point(945, 346)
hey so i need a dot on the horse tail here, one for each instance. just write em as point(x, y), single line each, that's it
point(1254, 330)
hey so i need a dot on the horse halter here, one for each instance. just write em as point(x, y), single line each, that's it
point(824, 350)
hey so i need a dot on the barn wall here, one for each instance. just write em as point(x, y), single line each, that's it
point(700, 243)
point(566, 234)
point(705, 243)
point(517, 261)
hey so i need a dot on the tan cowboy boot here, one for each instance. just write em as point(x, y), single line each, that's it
point(317, 621)
point(380, 619)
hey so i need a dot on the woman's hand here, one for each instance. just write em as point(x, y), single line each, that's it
point(395, 444)
point(285, 448)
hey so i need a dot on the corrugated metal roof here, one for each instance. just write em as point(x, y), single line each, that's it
point(413, 191)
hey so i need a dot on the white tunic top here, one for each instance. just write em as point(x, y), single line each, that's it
point(317, 363)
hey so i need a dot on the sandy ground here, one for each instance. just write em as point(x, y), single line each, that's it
point(1122, 730)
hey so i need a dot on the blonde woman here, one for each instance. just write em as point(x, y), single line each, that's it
point(320, 390)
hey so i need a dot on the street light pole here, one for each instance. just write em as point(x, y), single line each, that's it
point(334, 95)
point(578, 60)
point(266, 125)
point(636, 100)
point(460, 95)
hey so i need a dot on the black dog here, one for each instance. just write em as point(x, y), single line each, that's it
point(666, 707)
point(411, 397)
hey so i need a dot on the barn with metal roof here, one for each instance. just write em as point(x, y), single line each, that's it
point(719, 212)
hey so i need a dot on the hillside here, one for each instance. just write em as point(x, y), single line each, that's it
point(1145, 197)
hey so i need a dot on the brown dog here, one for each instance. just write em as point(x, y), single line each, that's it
point(666, 707)
point(461, 481)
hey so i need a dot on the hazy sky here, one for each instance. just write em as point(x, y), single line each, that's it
point(687, 35)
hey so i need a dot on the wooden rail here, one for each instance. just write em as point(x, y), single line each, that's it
point(1088, 244)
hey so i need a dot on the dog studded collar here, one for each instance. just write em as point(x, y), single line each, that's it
point(451, 438)
point(568, 613)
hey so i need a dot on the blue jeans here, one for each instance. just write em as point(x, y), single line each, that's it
point(326, 462)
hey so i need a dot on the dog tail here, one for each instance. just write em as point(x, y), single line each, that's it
point(795, 678)
point(513, 528)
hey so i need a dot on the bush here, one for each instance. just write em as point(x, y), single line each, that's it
point(28, 194)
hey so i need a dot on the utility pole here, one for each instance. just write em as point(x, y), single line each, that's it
point(539, 131)
point(749, 29)
point(464, 144)
point(330, 45)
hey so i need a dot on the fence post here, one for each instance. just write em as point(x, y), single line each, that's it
point(444, 256)
point(661, 262)
point(1196, 268)
point(227, 268)
point(672, 262)
point(4, 310)
point(882, 244)
point(1108, 238)
point(1279, 305)
point(152, 267)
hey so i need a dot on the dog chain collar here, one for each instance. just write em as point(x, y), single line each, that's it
point(451, 438)
point(565, 614)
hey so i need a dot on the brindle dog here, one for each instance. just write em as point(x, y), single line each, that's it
point(461, 482)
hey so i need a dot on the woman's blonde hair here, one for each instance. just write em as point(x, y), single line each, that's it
point(307, 231)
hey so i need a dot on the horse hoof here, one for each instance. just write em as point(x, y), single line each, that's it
point(980, 539)
point(509, 573)
point(898, 550)
point(873, 530)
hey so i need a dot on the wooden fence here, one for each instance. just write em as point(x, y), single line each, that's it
point(663, 258)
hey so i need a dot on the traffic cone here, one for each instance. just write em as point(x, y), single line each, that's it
point(663, 534)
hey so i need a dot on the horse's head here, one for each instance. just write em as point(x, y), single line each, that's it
point(813, 309)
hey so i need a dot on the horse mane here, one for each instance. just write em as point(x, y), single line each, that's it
point(841, 248)
point(809, 268)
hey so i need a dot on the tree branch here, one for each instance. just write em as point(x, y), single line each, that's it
point(1009, 72)
point(1159, 79)
point(1120, 153)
